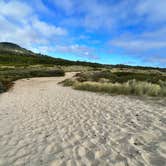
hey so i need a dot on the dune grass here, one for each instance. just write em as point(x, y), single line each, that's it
point(141, 84)
point(129, 88)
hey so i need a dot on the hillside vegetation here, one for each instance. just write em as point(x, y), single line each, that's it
point(7, 76)
point(16, 57)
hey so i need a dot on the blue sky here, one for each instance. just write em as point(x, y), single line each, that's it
point(106, 31)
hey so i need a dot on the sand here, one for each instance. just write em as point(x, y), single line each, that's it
point(45, 124)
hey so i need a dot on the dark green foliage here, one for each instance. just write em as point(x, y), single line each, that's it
point(8, 76)
point(120, 77)
point(2, 88)
point(8, 46)
point(23, 60)
point(121, 66)
point(148, 77)
point(45, 73)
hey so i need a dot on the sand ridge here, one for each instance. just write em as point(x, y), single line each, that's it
point(45, 124)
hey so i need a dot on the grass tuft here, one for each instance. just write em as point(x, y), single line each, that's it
point(131, 87)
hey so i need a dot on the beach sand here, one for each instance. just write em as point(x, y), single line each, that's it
point(45, 124)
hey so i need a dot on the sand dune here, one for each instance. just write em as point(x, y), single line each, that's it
point(45, 124)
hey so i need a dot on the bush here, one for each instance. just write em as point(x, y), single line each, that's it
point(120, 77)
point(8, 76)
point(45, 73)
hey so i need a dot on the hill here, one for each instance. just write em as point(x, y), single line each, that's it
point(13, 54)
point(7, 47)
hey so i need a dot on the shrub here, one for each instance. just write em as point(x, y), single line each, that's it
point(45, 73)
point(120, 77)
point(8, 76)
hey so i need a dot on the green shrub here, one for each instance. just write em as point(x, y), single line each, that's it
point(120, 77)
point(45, 73)
point(8, 76)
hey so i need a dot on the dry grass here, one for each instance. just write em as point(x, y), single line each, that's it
point(127, 83)
point(75, 68)
point(131, 87)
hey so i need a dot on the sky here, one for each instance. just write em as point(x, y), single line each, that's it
point(131, 32)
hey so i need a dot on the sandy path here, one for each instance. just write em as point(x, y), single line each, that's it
point(45, 124)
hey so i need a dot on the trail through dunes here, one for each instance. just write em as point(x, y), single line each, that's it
point(45, 124)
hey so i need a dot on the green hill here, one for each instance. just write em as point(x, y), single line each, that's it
point(13, 54)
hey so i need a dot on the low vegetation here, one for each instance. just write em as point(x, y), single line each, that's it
point(8, 75)
point(20, 59)
point(131, 87)
point(120, 77)
point(126, 83)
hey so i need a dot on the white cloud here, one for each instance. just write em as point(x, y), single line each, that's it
point(15, 9)
point(75, 49)
point(140, 43)
point(154, 10)
point(20, 24)
point(112, 15)
point(150, 47)
point(157, 60)
point(79, 50)
point(47, 29)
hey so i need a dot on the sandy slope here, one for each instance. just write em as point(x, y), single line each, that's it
point(42, 123)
